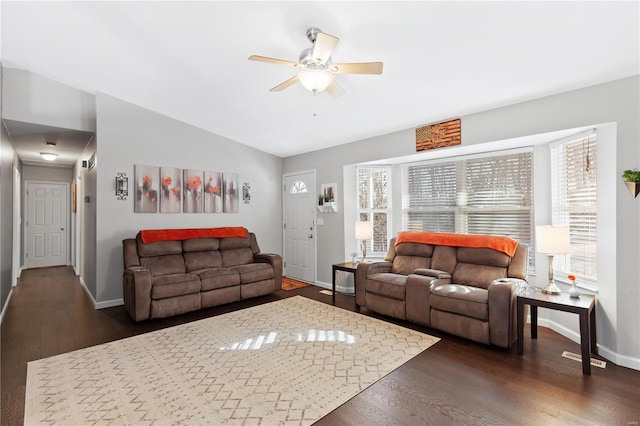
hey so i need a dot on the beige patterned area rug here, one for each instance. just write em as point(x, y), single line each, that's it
point(287, 362)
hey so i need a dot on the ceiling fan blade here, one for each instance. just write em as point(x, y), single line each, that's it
point(357, 68)
point(272, 60)
point(293, 80)
point(335, 90)
point(323, 47)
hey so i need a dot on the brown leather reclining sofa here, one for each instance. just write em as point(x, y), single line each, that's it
point(450, 282)
point(170, 272)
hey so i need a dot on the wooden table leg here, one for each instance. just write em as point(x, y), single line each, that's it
point(585, 342)
point(520, 320)
point(592, 331)
point(333, 288)
point(534, 322)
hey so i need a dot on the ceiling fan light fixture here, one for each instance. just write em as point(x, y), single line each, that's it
point(49, 156)
point(315, 80)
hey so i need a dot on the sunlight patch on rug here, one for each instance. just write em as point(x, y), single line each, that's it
point(290, 361)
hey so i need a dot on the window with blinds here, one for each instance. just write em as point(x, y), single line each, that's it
point(374, 206)
point(488, 194)
point(573, 203)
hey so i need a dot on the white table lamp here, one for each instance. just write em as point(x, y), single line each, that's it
point(364, 232)
point(552, 240)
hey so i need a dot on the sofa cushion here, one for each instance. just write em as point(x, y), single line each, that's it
point(254, 272)
point(174, 285)
point(215, 278)
point(198, 260)
point(234, 243)
point(477, 275)
point(482, 256)
point(236, 256)
point(159, 248)
point(200, 244)
point(405, 265)
point(460, 299)
point(164, 265)
point(388, 285)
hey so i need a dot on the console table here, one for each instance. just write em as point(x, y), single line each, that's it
point(584, 306)
point(347, 267)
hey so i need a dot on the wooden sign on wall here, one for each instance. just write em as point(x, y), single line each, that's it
point(438, 135)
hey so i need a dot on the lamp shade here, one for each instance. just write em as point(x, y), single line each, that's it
point(552, 239)
point(364, 230)
point(315, 80)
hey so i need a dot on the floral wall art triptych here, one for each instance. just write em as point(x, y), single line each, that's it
point(171, 190)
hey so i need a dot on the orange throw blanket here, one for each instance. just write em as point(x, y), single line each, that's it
point(153, 235)
point(504, 244)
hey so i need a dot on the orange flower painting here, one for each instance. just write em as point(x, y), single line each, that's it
point(213, 192)
point(146, 190)
point(170, 194)
point(192, 199)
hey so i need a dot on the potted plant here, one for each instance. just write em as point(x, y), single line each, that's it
point(632, 180)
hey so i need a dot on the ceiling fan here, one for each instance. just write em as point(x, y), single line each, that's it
point(316, 67)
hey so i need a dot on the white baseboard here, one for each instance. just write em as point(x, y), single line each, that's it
point(4, 308)
point(100, 305)
point(614, 357)
point(339, 289)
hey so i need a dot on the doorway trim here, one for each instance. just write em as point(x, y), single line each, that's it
point(25, 212)
point(315, 218)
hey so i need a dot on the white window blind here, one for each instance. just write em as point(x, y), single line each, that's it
point(488, 194)
point(573, 191)
point(374, 205)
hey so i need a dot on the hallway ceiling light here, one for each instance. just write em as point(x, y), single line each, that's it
point(49, 156)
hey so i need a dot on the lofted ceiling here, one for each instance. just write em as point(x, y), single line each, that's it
point(188, 60)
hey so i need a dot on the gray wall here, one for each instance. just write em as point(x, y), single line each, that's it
point(129, 135)
point(616, 104)
point(32, 98)
point(7, 159)
point(87, 213)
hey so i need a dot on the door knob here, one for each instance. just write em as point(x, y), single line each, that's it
point(62, 229)
point(310, 235)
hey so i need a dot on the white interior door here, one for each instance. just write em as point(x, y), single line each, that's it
point(300, 227)
point(46, 225)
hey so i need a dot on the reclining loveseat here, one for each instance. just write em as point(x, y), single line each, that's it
point(462, 284)
point(173, 271)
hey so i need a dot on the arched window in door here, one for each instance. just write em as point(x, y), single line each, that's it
point(299, 187)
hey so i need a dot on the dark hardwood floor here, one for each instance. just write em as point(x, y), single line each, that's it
point(454, 382)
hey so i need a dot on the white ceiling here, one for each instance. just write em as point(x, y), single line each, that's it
point(188, 60)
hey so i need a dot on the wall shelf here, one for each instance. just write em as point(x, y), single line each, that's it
point(328, 207)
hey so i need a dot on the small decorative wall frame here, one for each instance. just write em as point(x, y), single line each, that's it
point(122, 187)
point(327, 198)
point(438, 135)
point(246, 195)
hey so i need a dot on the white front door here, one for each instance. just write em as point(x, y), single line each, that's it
point(300, 227)
point(46, 225)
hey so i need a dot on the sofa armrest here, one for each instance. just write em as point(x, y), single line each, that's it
point(432, 273)
point(362, 276)
point(419, 287)
point(377, 267)
point(275, 260)
point(502, 310)
point(136, 283)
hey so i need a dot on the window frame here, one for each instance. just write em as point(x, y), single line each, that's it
point(563, 210)
point(371, 211)
point(459, 207)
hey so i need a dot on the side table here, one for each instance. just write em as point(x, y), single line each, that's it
point(347, 267)
point(584, 306)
